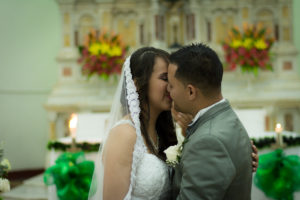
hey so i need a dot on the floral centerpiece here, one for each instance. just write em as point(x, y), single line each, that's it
point(249, 48)
point(4, 169)
point(102, 55)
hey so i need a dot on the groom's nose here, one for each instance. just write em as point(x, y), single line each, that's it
point(168, 88)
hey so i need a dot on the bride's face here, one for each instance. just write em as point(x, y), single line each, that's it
point(159, 97)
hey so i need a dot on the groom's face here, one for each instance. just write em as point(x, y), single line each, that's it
point(177, 90)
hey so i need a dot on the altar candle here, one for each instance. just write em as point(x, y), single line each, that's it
point(73, 125)
point(278, 131)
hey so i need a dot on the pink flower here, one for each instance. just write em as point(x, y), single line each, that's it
point(261, 63)
point(253, 52)
point(234, 55)
point(242, 51)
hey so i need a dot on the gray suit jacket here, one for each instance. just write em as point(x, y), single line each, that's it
point(216, 159)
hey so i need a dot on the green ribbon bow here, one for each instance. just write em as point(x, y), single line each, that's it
point(278, 176)
point(72, 175)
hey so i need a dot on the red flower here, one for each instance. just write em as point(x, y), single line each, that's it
point(253, 52)
point(232, 66)
point(234, 55)
point(247, 55)
point(226, 47)
point(242, 51)
point(251, 63)
point(242, 62)
point(228, 58)
point(261, 63)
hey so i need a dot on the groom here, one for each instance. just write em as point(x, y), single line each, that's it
point(216, 158)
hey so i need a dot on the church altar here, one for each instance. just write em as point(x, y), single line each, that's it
point(168, 25)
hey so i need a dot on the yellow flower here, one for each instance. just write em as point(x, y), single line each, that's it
point(260, 44)
point(115, 51)
point(95, 48)
point(236, 43)
point(248, 43)
point(104, 48)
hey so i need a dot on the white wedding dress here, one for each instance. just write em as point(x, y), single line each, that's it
point(151, 178)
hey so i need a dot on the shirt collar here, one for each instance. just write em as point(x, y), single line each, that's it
point(204, 110)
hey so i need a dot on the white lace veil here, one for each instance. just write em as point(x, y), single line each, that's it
point(126, 102)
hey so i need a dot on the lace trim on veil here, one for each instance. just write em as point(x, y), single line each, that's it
point(134, 108)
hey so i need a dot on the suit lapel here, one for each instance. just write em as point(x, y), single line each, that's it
point(214, 111)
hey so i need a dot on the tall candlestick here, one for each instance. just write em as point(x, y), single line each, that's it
point(278, 130)
point(73, 127)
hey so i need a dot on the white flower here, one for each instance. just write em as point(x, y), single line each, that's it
point(6, 163)
point(173, 153)
point(4, 185)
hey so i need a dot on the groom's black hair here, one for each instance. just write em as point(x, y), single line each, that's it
point(199, 65)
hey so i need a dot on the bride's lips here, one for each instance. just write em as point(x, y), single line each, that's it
point(169, 97)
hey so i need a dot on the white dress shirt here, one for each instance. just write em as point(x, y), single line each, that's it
point(204, 110)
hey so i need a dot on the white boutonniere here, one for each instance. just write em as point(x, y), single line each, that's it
point(173, 153)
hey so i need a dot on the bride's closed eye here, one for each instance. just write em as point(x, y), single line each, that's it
point(164, 77)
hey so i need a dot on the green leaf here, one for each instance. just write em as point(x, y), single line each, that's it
point(236, 32)
point(104, 76)
point(80, 48)
point(114, 38)
point(89, 76)
point(255, 71)
point(261, 32)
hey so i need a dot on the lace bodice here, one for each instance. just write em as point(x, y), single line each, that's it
point(151, 178)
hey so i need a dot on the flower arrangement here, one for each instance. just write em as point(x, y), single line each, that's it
point(4, 169)
point(102, 55)
point(249, 49)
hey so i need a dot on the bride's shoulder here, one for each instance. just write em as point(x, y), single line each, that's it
point(123, 131)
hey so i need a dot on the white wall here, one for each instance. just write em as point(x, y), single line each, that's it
point(29, 43)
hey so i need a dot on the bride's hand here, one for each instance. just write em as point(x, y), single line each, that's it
point(255, 158)
point(182, 119)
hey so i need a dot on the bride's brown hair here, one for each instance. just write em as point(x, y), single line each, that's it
point(141, 64)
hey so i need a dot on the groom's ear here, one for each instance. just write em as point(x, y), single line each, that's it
point(192, 92)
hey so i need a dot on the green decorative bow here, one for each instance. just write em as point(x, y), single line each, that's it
point(278, 175)
point(72, 175)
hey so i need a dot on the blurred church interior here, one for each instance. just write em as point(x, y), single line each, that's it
point(42, 84)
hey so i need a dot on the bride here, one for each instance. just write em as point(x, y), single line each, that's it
point(131, 161)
